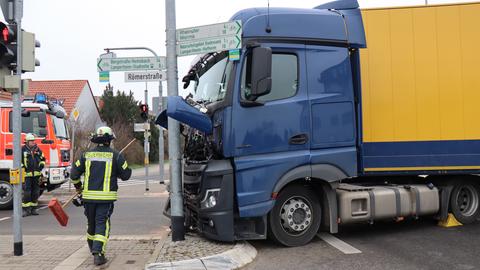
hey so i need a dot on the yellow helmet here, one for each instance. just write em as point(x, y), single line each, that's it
point(29, 137)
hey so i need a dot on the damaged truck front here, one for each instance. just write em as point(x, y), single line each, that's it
point(208, 175)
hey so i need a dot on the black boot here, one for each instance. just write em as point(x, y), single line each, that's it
point(99, 259)
point(26, 211)
point(34, 211)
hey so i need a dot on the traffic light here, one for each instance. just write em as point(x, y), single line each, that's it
point(143, 111)
point(8, 46)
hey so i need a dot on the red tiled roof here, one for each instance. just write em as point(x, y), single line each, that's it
point(69, 90)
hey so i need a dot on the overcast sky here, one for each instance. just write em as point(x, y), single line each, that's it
point(73, 33)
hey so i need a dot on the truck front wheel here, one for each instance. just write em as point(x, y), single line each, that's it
point(295, 218)
point(465, 202)
point(6, 195)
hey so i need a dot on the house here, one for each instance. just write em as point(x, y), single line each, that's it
point(76, 94)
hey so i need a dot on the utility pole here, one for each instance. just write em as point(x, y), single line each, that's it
point(176, 200)
point(17, 7)
point(146, 142)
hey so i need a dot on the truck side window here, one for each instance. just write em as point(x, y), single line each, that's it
point(30, 124)
point(284, 78)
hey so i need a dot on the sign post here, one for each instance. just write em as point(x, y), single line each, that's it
point(75, 115)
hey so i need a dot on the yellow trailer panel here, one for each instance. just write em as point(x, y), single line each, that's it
point(420, 73)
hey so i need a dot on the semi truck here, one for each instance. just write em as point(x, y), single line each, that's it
point(333, 115)
point(46, 119)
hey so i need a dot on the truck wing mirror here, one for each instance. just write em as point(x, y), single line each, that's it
point(42, 120)
point(260, 66)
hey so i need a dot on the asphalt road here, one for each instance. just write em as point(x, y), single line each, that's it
point(136, 212)
point(387, 245)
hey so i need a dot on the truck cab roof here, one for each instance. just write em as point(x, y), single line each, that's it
point(334, 22)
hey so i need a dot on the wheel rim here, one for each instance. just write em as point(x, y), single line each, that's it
point(467, 200)
point(296, 215)
point(6, 193)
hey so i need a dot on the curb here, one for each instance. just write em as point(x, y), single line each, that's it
point(242, 254)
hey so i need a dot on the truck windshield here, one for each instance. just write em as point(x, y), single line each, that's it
point(60, 128)
point(211, 84)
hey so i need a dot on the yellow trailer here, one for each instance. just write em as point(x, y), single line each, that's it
point(420, 74)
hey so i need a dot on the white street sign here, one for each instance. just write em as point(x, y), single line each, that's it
point(140, 127)
point(147, 76)
point(209, 31)
point(131, 63)
point(209, 38)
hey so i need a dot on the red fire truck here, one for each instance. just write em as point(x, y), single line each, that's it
point(46, 119)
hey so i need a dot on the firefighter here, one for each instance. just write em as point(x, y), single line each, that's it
point(100, 166)
point(33, 162)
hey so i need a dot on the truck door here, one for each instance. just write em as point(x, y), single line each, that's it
point(330, 91)
point(273, 138)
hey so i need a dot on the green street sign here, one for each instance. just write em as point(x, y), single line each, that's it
point(131, 63)
point(209, 38)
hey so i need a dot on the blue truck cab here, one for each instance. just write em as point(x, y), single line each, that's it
point(273, 141)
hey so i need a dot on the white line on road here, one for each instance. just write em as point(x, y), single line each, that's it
point(5, 218)
point(338, 244)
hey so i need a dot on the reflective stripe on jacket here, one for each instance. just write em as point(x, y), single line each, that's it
point(33, 161)
point(100, 166)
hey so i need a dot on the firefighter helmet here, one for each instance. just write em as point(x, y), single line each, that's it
point(29, 137)
point(103, 135)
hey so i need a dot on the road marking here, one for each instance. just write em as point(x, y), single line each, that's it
point(338, 244)
point(5, 218)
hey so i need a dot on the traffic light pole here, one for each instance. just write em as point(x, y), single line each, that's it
point(160, 94)
point(17, 144)
point(176, 200)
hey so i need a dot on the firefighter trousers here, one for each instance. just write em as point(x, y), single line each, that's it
point(98, 225)
point(31, 191)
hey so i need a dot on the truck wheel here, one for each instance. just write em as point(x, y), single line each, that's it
point(295, 218)
point(465, 202)
point(6, 195)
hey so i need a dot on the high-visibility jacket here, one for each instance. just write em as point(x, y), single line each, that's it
point(101, 166)
point(33, 161)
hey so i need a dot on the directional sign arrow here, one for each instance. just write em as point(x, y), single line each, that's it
point(98, 64)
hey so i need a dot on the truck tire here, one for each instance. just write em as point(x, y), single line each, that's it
point(6, 195)
point(465, 202)
point(296, 216)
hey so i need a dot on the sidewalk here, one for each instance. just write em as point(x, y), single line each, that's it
point(71, 252)
point(152, 252)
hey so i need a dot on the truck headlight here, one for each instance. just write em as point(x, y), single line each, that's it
point(211, 198)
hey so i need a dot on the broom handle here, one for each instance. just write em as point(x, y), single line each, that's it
point(69, 200)
point(124, 148)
